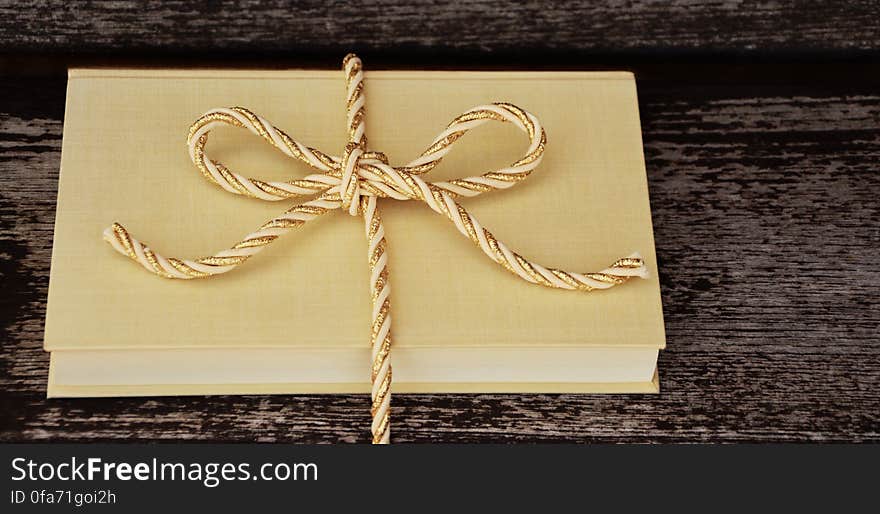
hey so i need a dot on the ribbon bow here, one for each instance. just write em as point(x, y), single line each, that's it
point(354, 182)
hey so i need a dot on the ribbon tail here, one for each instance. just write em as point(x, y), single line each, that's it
point(617, 273)
point(224, 260)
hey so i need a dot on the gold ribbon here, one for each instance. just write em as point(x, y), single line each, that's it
point(354, 182)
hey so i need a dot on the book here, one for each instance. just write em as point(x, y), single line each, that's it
point(296, 318)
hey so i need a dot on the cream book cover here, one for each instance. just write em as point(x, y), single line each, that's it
point(296, 317)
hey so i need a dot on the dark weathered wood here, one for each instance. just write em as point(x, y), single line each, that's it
point(469, 27)
point(767, 221)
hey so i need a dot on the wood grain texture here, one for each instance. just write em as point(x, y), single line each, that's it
point(467, 27)
point(767, 222)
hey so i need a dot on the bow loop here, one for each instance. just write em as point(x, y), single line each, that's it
point(357, 166)
point(216, 172)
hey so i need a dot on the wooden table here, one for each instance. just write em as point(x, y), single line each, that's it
point(762, 137)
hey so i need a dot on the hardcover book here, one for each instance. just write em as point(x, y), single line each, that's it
point(296, 318)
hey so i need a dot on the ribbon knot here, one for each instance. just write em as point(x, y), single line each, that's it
point(354, 182)
point(353, 174)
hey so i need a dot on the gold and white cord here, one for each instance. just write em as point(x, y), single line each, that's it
point(354, 183)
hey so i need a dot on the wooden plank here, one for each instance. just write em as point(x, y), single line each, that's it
point(766, 218)
point(522, 29)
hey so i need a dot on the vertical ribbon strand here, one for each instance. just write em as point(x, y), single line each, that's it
point(380, 289)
